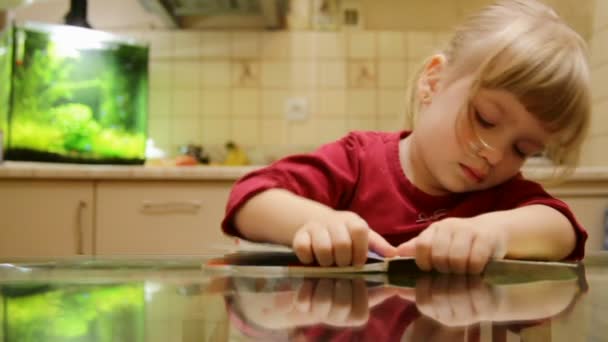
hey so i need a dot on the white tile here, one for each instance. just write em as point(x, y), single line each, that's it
point(161, 74)
point(594, 151)
point(361, 103)
point(599, 118)
point(216, 74)
point(330, 130)
point(187, 75)
point(215, 44)
point(185, 131)
point(275, 74)
point(304, 45)
point(215, 103)
point(187, 44)
point(215, 131)
point(273, 103)
point(332, 74)
point(302, 133)
point(245, 103)
point(599, 82)
point(273, 132)
point(420, 45)
point(356, 124)
point(392, 74)
point(332, 103)
point(331, 44)
point(304, 74)
point(361, 45)
point(391, 45)
point(246, 73)
point(599, 48)
point(159, 103)
point(390, 124)
point(159, 131)
point(600, 20)
point(391, 103)
point(246, 131)
point(246, 44)
point(161, 44)
point(362, 73)
point(186, 103)
point(276, 45)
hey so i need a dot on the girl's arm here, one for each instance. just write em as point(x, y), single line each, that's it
point(276, 214)
point(315, 231)
point(534, 232)
point(466, 245)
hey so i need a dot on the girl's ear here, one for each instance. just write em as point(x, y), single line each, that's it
point(429, 81)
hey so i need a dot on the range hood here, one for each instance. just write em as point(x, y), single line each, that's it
point(219, 14)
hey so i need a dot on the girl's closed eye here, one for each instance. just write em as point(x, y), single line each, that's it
point(519, 152)
point(481, 120)
point(525, 149)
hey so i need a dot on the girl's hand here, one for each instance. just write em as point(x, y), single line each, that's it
point(342, 238)
point(457, 245)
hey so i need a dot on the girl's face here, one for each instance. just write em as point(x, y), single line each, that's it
point(448, 137)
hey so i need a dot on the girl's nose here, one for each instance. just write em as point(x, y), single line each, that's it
point(492, 155)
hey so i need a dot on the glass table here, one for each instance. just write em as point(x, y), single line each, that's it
point(176, 299)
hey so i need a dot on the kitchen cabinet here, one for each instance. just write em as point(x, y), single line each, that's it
point(589, 202)
point(45, 218)
point(158, 217)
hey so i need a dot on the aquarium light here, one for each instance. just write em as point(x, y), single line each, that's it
point(82, 37)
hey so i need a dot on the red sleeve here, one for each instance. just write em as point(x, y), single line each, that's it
point(327, 175)
point(519, 192)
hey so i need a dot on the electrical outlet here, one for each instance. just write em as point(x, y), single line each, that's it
point(296, 108)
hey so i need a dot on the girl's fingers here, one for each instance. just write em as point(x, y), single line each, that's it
point(379, 245)
point(302, 246)
point(342, 243)
point(441, 249)
point(458, 255)
point(479, 256)
point(424, 248)
point(322, 246)
point(407, 248)
point(360, 241)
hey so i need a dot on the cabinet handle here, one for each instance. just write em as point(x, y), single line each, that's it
point(154, 207)
point(80, 228)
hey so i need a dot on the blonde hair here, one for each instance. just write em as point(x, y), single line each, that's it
point(522, 46)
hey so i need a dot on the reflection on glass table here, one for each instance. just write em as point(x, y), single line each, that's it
point(72, 312)
point(436, 308)
point(175, 299)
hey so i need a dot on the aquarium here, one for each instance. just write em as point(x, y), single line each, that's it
point(76, 95)
point(5, 80)
point(72, 312)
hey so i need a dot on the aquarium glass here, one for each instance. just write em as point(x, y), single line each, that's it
point(78, 95)
point(73, 312)
point(5, 79)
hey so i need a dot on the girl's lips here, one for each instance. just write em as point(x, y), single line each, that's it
point(477, 176)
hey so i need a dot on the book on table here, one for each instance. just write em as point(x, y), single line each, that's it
point(284, 262)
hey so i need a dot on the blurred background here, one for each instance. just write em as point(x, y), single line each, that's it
point(279, 77)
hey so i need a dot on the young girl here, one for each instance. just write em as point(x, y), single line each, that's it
point(512, 83)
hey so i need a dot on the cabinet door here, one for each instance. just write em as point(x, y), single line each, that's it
point(160, 217)
point(45, 218)
point(591, 213)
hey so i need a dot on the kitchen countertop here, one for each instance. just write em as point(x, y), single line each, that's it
point(34, 170)
point(175, 299)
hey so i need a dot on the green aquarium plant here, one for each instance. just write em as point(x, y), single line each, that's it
point(74, 312)
point(77, 95)
point(5, 79)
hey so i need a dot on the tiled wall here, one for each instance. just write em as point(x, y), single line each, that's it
point(211, 86)
point(595, 149)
